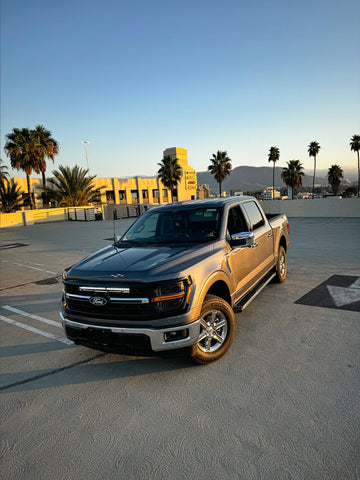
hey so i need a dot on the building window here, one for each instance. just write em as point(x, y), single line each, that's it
point(145, 194)
point(110, 197)
point(134, 194)
point(155, 193)
point(122, 194)
point(165, 192)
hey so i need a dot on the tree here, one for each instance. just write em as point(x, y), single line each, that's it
point(355, 146)
point(170, 173)
point(292, 174)
point(4, 172)
point(47, 147)
point(71, 187)
point(10, 196)
point(350, 192)
point(313, 150)
point(21, 148)
point(274, 156)
point(335, 174)
point(220, 167)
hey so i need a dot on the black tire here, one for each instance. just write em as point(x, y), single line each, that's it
point(281, 266)
point(217, 331)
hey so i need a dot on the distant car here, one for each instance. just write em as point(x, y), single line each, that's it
point(172, 280)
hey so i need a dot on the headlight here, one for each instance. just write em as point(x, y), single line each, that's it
point(171, 291)
point(65, 274)
point(172, 296)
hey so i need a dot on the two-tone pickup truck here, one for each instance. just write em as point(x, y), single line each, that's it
point(172, 280)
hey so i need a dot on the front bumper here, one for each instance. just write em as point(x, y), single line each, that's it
point(158, 339)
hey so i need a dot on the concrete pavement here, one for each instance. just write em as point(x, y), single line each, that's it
point(283, 403)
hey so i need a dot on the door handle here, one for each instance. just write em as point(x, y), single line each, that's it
point(254, 245)
point(270, 235)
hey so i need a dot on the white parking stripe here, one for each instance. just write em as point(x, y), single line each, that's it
point(36, 330)
point(33, 263)
point(34, 268)
point(35, 317)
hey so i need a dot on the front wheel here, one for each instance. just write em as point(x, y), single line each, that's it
point(217, 328)
point(281, 266)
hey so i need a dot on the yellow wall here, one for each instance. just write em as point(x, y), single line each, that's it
point(186, 187)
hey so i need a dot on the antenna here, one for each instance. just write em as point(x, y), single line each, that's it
point(114, 217)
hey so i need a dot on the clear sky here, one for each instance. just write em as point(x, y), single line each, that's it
point(134, 77)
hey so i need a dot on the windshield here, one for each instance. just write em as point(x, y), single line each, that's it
point(175, 226)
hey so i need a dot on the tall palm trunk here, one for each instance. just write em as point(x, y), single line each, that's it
point(358, 173)
point(273, 192)
point(29, 191)
point(220, 189)
point(314, 175)
point(45, 197)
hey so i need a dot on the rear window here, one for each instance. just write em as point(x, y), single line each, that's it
point(254, 215)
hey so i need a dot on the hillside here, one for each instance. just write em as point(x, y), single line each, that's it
point(254, 178)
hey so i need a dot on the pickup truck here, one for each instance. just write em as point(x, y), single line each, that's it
point(172, 280)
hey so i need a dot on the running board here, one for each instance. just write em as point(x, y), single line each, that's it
point(249, 297)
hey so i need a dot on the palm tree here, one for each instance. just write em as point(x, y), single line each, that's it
point(71, 187)
point(355, 146)
point(4, 172)
point(313, 150)
point(274, 156)
point(21, 148)
point(170, 173)
point(10, 197)
point(292, 174)
point(220, 167)
point(48, 147)
point(335, 174)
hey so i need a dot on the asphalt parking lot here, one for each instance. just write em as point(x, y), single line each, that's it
point(284, 402)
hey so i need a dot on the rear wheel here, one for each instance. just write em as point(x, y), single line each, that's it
point(217, 328)
point(281, 266)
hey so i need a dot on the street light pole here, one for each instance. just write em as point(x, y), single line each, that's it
point(85, 142)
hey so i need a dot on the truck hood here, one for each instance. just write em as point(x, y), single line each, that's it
point(137, 263)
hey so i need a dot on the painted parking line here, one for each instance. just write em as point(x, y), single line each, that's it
point(30, 315)
point(31, 267)
point(36, 330)
point(34, 268)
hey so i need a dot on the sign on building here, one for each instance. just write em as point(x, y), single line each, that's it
point(190, 180)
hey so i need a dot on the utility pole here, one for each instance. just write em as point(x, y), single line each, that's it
point(85, 142)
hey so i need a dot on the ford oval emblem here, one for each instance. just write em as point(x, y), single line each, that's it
point(98, 301)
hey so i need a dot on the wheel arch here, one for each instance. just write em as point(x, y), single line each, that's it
point(217, 286)
point(283, 243)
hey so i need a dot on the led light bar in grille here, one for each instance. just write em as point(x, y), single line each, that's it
point(105, 289)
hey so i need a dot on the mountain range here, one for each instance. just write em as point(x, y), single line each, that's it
point(258, 178)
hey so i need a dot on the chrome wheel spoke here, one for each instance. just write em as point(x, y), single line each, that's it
point(217, 337)
point(208, 344)
point(203, 323)
point(220, 324)
point(202, 336)
point(213, 318)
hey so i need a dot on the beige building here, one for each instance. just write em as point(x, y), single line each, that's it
point(136, 190)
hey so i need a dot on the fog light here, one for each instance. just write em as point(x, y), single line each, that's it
point(176, 335)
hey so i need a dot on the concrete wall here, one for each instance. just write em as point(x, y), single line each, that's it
point(29, 217)
point(322, 207)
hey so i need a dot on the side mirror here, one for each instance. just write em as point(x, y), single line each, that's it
point(242, 239)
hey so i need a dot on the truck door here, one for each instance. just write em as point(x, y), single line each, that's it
point(263, 238)
point(241, 260)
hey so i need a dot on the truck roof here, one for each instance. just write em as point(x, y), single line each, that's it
point(205, 203)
